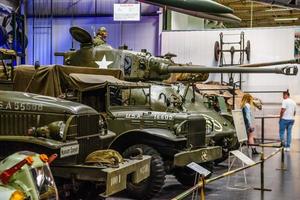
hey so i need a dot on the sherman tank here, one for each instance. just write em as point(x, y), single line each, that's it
point(142, 66)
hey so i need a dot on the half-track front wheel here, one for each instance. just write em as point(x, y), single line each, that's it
point(151, 186)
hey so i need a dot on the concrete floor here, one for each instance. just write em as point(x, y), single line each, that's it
point(284, 184)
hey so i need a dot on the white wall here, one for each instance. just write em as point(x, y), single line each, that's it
point(181, 21)
point(267, 44)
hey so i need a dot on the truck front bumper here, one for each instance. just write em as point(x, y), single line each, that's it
point(115, 179)
point(198, 156)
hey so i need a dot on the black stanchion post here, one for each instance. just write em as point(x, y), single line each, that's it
point(262, 132)
point(262, 175)
point(282, 166)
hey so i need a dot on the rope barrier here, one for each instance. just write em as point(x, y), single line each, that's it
point(204, 182)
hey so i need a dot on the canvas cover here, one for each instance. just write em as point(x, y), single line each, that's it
point(86, 82)
point(52, 80)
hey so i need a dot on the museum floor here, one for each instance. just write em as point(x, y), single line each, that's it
point(284, 184)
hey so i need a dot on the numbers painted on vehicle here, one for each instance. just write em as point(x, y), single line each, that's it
point(20, 106)
point(155, 116)
point(163, 117)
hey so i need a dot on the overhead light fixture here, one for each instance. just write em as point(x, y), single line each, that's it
point(286, 19)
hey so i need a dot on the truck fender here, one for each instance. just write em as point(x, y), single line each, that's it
point(147, 136)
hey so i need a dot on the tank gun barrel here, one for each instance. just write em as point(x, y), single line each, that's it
point(292, 61)
point(287, 70)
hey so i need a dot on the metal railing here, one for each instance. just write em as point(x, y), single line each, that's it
point(201, 184)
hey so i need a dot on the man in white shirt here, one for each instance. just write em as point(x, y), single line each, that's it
point(287, 118)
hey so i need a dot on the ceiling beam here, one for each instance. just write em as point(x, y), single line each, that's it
point(267, 25)
point(287, 3)
point(261, 15)
point(248, 7)
point(271, 18)
point(267, 11)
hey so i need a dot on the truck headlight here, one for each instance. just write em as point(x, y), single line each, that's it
point(17, 195)
point(57, 129)
point(54, 130)
point(179, 128)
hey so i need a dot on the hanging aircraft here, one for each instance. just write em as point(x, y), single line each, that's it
point(207, 9)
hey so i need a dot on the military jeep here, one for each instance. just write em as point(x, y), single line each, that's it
point(75, 133)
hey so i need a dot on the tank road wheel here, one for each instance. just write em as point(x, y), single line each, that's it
point(186, 176)
point(151, 186)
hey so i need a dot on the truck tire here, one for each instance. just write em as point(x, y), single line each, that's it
point(151, 186)
point(186, 176)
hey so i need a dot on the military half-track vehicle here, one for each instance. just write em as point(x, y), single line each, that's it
point(182, 98)
point(75, 133)
point(26, 175)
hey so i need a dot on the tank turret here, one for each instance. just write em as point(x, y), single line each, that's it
point(143, 66)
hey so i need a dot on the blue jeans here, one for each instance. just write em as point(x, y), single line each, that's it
point(287, 125)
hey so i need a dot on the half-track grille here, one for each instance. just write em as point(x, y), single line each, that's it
point(16, 123)
point(88, 125)
point(196, 132)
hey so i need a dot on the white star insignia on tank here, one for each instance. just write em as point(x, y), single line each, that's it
point(103, 64)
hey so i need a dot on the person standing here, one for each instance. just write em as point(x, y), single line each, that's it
point(246, 106)
point(287, 119)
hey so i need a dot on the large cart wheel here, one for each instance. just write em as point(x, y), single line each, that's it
point(248, 50)
point(186, 176)
point(151, 186)
point(217, 51)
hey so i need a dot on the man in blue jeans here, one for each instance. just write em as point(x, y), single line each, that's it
point(287, 118)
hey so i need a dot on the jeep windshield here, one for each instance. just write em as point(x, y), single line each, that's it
point(135, 96)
